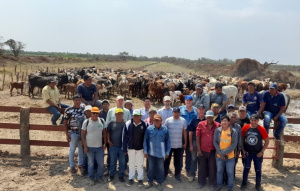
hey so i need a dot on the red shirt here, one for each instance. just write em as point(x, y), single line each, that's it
point(206, 135)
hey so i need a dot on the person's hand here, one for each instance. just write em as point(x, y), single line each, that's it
point(166, 156)
point(260, 154)
point(275, 118)
point(184, 146)
point(200, 153)
point(109, 143)
point(125, 153)
point(243, 154)
point(191, 148)
point(146, 155)
point(68, 137)
point(104, 147)
point(86, 150)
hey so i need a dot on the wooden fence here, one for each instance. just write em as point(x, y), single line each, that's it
point(24, 126)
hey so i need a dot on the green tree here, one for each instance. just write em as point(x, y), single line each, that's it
point(123, 55)
point(15, 47)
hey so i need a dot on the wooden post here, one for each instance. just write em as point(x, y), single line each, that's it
point(22, 76)
point(24, 135)
point(15, 69)
point(3, 82)
point(17, 76)
point(47, 69)
point(278, 163)
point(11, 75)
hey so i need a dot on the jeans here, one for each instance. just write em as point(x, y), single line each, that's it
point(177, 161)
point(282, 122)
point(156, 169)
point(257, 165)
point(55, 113)
point(229, 165)
point(194, 160)
point(207, 163)
point(75, 142)
point(98, 154)
point(115, 153)
point(250, 113)
point(97, 104)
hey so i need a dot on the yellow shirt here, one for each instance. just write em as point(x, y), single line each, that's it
point(225, 142)
point(52, 94)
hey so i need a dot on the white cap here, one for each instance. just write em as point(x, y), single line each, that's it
point(120, 97)
point(88, 107)
point(167, 98)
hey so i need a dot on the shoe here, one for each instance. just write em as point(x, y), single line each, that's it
point(149, 185)
point(191, 179)
point(258, 187)
point(140, 183)
point(277, 137)
point(218, 188)
point(125, 173)
point(110, 178)
point(101, 181)
point(230, 189)
point(121, 178)
point(106, 173)
point(200, 186)
point(73, 169)
point(243, 186)
point(159, 187)
point(130, 182)
point(188, 174)
point(84, 172)
point(178, 179)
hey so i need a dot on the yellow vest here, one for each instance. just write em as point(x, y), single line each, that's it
point(225, 142)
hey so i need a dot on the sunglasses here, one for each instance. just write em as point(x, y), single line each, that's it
point(95, 113)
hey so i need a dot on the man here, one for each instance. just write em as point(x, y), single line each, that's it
point(114, 139)
point(105, 107)
point(215, 108)
point(242, 119)
point(129, 105)
point(93, 133)
point(252, 99)
point(192, 126)
point(133, 139)
point(152, 112)
point(88, 114)
point(74, 116)
point(166, 111)
point(111, 112)
point(88, 92)
point(230, 108)
point(206, 150)
point(273, 107)
point(200, 97)
point(253, 149)
point(188, 112)
point(145, 109)
point(219, 97)
point(157, 147)
point(177, 130)
point(51, 100)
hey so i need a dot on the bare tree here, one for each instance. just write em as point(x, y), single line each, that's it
point(15, 47)
point(266, 64)
point(123, 55)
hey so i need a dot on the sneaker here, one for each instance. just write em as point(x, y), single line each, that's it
point(130, 182)
point(200, 186)
point(159, 187)
point(243, 186)
point(258, 187)
point(84, 172)
point(277, 137)
point(191, 179)
point(178, 179)
point(73, 169)
point(149, 185)
point(121, 178)
point(218, 188)
point(110, 178)
point(140, 183)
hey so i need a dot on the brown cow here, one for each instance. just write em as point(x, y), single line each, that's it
point(70, 88)
point(281, 87)
point(17, 85)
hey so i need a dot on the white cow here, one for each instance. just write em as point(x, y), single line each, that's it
point(231, 92)
point(174, 95)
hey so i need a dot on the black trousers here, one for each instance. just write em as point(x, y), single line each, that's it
point(177, 161)
point(207, 164)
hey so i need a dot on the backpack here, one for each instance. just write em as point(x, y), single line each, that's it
point(99, 119)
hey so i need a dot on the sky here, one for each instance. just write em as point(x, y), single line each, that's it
point(265, 30)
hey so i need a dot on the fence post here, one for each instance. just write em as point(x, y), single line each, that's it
point(24, 135)
point(278, 163)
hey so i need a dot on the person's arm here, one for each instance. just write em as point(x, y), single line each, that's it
point(262, 108)
point(216, 143)
point(145, 145)
point(206, 102)
point(223, 107)
point(66, 130)
point(282, 109)
point(185, 138)
point(125, 138)
point(95, 98)
point(191, 141)
point(104, 137)
point(260, 154)
point(198, 140)
point(108, 136)
point(168, 144)
point(83, 138)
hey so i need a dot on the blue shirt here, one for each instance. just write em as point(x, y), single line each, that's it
point(157, 142)
point(273, 103)
point(145, 113)
point(87, 92)
point(164, 113)
point(103, 114)
point(188, 116)
point(192, 126)
point(253, 101)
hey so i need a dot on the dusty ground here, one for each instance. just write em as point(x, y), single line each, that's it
point(49, 169)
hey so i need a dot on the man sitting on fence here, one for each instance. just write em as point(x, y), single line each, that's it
point(51, 100)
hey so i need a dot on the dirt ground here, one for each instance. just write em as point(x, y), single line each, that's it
point(49, 169)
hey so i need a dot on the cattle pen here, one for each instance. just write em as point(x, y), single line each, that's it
point(24, 127)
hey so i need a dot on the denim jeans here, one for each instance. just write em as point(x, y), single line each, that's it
point(156, 169)
point(194, 160)
point(257, 165)
point(282, 122)
point(221, 165)
point(177, 161)
point(55, 113)
point(250, 113)
point(116, 153)
point(75, 142)
point(97, 104)
point(98, 154)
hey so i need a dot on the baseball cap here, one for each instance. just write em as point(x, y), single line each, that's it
point(52, 80)
point(167, 98)
point(176, 109)
point(198, 86)
point(230, 106)
point(242, 108)
point(76, 96)
point(119, 110)
point(273, 86)
point(87, 77)
point(209, 113)
point(187, 97)
point(157, 117)
point(152, 109)
point(251, 82)
point(214, 105)
point(95, 110)
point(119, 97)
point(201, 106)
point(88, 107)
point(254, 116)
point(128, 101)
point(105, 101)
point(136, 112)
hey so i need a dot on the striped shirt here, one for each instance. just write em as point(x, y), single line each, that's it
point(176, 127)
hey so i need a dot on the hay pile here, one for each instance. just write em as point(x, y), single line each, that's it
point(282, 76)
point(247, 67)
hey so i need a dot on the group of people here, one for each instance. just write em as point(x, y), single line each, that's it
point(208, 130)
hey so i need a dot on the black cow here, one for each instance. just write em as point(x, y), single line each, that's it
point(37, 81)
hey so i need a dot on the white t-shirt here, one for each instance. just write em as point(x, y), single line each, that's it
point(176, 127)
point(93, 132)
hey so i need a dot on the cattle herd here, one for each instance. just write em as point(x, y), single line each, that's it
point(140, 84)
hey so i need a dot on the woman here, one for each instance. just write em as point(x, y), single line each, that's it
point(225, 141)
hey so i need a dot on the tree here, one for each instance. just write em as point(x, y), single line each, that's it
point(15, 47)
point(123, 55)
point(1, 45)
